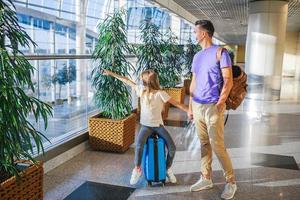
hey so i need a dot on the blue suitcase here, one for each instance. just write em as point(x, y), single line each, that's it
point(154, 160)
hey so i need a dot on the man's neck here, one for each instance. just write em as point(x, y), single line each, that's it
point(206, 43)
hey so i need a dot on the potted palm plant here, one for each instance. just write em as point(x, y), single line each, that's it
point(172, 67)
point(114, 129)
point(191, 50)
point(149, 54)
point(21, 177)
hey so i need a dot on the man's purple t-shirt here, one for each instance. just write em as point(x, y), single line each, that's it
point(209, 80)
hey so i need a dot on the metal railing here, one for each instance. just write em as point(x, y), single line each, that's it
point(63, 56)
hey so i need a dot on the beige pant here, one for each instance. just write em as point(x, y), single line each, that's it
point(210, 129)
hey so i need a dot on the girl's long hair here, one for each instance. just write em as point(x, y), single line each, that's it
point(150, 82)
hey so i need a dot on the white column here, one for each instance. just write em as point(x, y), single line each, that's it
point(290, 51)
point(68, 67)
point(35, 62)
point(32, 35)
point(93, 43)
point(175, 26)
point(81, 67)
point(297, 70)
point(265, 48)
point(116, 4)
point(122, 3)
point(52, 62)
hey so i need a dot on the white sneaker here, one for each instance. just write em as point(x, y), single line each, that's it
point(229, 191)
point(135, 176)
point(171, 176)
point(202, 184)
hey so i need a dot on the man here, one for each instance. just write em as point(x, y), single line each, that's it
point(210, 87)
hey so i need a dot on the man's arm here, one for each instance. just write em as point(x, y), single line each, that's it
point(192, 89)
point(227, 85)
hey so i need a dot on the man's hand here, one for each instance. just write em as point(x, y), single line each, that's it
point(190, 114)
point(220, 106)
point(228, 83)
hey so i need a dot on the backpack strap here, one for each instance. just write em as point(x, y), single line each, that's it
point(226, 118)
point(219, 53)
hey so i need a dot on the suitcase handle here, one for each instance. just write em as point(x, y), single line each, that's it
point(154, 135)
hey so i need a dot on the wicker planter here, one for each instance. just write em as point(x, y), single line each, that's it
point(165, 111)
point(29, 187)
point(186, 85)
point(176, 93)
point(111, 135)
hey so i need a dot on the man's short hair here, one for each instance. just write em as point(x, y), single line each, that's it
point(207, 25)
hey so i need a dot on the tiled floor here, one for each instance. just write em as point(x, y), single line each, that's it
point(95, 191)
point(263, 140)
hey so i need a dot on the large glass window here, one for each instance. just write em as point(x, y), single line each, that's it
point(57, 83)
point(139, 10)
point(67, 9)
point(49, 7)
point(186, 32)
point(52, 25)
point(137, 14)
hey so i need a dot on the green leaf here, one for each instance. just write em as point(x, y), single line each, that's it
point(112, 96)
point(18, 137)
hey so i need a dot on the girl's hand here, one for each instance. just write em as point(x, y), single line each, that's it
point(106, 72)
point(190, 114)
point(186, 108)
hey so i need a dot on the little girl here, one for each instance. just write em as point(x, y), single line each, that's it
point(152, 100)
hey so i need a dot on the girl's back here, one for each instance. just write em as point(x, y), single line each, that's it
point(152, 104)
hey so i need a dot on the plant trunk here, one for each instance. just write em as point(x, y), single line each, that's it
point(2, 41)
point(3, 175)
point(69, 92)
point(59, 93)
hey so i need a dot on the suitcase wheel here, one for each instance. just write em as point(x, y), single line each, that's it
point(149, 184)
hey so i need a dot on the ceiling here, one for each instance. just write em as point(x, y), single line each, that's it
point(230, 16)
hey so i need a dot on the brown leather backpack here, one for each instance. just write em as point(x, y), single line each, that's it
point(239, 88)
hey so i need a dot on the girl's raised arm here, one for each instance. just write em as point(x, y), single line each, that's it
point(119, 77)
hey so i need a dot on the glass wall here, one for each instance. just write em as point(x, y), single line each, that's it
point(50, 37)
point(56, 85)
point(57, 27)
point(186, 32)
point(54, 27)
point(137, 14)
